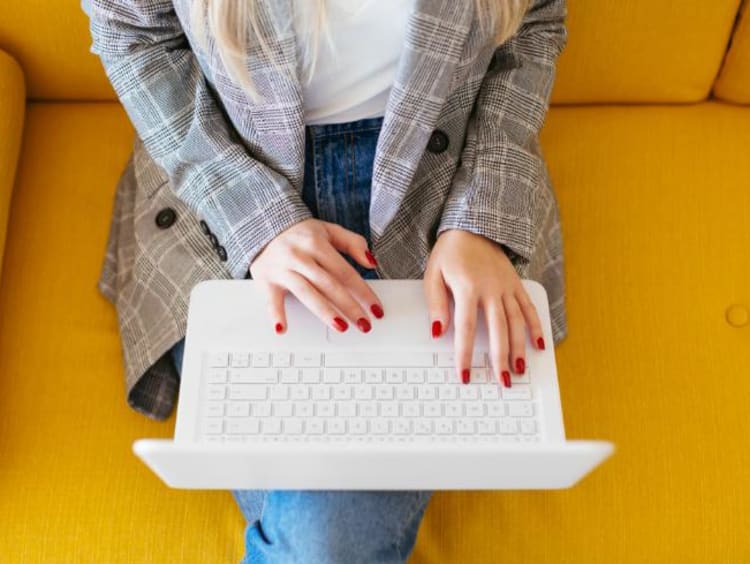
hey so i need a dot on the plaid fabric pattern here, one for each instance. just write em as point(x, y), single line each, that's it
point(207, 152)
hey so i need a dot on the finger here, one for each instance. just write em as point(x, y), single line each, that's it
point(313, 300)
point(351, 243)
point(345, 273)
point(517, 328)
point(532, 318)
point(276, 310)
point(497, 331)
point(464, 327)
point(438, 306)
point(334, 292)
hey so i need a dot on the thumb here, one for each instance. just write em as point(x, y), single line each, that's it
point(351, 243)
point(438, 302)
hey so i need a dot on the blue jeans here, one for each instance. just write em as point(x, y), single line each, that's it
point(288, 526)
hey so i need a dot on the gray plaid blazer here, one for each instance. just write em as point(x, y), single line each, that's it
point(214, 176)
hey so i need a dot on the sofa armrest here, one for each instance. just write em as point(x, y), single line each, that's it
point(12, 108)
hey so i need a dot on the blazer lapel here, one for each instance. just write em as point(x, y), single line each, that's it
point(436, 34)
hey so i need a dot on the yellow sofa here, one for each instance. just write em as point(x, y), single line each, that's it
point(648, 144)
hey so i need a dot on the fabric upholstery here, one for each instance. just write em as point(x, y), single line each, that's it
point(12, 108)
point(733, 83)
point(656, 243)
point(661, 50)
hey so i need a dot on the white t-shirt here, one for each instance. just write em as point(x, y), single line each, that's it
point(352, 78)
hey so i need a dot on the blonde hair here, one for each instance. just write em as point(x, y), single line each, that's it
point(231, 23)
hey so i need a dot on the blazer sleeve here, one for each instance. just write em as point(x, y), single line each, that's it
point(158, 79)
point(502, 171)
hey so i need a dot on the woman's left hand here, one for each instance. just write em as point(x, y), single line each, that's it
point(477, 273)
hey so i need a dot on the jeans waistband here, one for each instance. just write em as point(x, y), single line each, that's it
point(326, 129)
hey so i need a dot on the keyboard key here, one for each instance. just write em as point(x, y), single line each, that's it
point(307, 359)
point(474, 409)
point(358, 426)
point(431, 409)
point(379, 426)
point(489, 391)
point(486, 427)
point(217, 376)
point(247, 392)
point(465, 426)
point(423, 426)
point(367, 409)
point(283, 409)
point(435, 375)
point(468, 392)
point(336, 426)
point(453, 409)
point(521, 409)
point(278, 392)
point(214, 409)
point(346, 409)
point(310, 375)
point(289, 375)
point(214, 426)
point(383, 392)
point(444, 426)
point(508, 426)
point(410, 409)
point(299, 392)
point(321, 392)
point(363, 392)
point(260, 409)
point(215, 392)
point(314, 426)
point(373, 376)
point(517, 392)
point(496, 409)
point(293, 426)
point(528, 426)
point(261, 359)
point(218, 359)
point(341, 392)
point(281, 359)
point(426, 392)
point(447, 392)
point(405, 392)
point(377, 360)
point(332, 375)
point(303, 409)
point(238, 409)
point(401, 427)
point(415, 376)
point(352, 376)
point(389, 409)
point(270, 426)
point(240, 359)
point(325, 409)
point(394, 375)
point(243, 426)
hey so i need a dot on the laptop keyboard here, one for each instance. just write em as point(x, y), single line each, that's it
point(345, 396)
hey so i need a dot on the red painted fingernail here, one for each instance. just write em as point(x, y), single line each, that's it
point(437, 329)
point(465, 375)
point(376, 310)
point(279, 328)
point(340, 324)
point(506, 378)
point(520, 365)
point(371, 258)
point(364, 324)
point(540, 343)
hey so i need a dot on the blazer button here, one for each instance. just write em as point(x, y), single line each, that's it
point(166, 218)
point(222, 252)
point(204, 227)
point(438, 142)
point(214, 240)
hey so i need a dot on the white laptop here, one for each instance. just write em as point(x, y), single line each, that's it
point(318, 409)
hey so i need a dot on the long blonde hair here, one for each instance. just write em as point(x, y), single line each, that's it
point(232, 22)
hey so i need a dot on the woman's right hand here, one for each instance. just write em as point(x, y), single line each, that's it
point(305, 261)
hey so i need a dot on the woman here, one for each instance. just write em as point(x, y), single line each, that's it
point(311, 145)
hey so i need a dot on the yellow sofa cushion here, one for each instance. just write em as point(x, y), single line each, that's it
point(643, 50)
point(654, 207)
point(12, 107)
point(635, 51)
point(733, 83)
